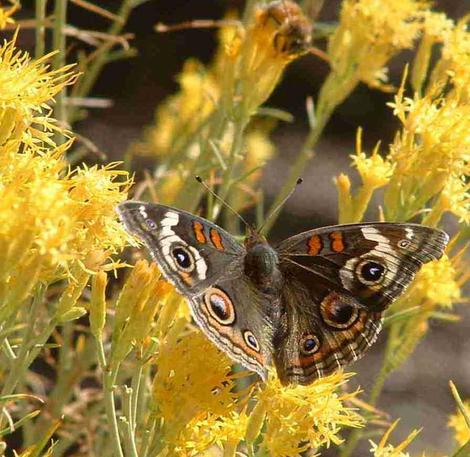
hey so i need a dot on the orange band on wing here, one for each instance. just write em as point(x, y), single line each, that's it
point(315, 245)
point(216, 239)
point(199, 232)
point(337, 243)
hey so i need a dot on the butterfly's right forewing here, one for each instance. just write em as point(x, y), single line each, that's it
point(191, 251)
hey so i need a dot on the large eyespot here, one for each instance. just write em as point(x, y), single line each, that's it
point(219, 306)
point(338, 313)
point(370, 272)
point(183, 258)
point(309, 344)
point(251, 340)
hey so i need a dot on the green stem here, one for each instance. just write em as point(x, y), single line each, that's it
point(299, 165)
point(109, 378)
point(130, 429)
point(40, 46)
point(357, 435)
point(235, 149)
point(148, 438)
point(26, 356)
point(135, 386)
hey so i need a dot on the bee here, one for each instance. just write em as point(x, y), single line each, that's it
point(294, 29)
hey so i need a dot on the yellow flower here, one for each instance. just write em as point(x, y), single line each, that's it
point(182, 114)
point(54, 223)
point(369, 34)
point(212, 432)
point(460, 427)
point(430, 151)
point(437, 282)
point(259, 148)
point(384, 449)
point(138, 303)
point(455, 60)
point(436, 28)
point(26, 89)
point(455, 197)
point(5, 14)
point(193, 381)
point(300, 418)
point(375, 171)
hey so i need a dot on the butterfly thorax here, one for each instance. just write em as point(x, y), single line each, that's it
point(262, 265)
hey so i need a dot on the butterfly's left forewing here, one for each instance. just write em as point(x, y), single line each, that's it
point(338, 281)
point(375, 262)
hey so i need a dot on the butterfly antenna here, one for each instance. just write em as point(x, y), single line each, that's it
point(221, 200)
point(281, 204)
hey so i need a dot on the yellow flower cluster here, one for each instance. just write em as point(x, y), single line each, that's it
point(141, 298)
point(193, 386)
point(429, 155)
point(299, 418)
point(369, 34)
point(55, 223)
point(438, 282)
point(27, 88)
point(202, 403)
point(460, 427)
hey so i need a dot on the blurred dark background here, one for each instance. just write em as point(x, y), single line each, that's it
point(418, 392)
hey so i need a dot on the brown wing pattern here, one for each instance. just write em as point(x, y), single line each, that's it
point(338, 281)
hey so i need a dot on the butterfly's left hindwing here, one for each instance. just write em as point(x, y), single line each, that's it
point(192, 252)
point(338, 280)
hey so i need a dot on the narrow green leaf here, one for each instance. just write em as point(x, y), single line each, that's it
point(275, 113)
point(462, 408)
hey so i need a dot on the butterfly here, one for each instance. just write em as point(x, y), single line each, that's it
point(308, 305)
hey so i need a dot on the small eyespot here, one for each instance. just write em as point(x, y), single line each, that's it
point(152, 225)
point(251, 340)
point(219, 306)
point(183, 258)
point(337, 313)
point(404, 244)
point(370, 272)
point(309, 344)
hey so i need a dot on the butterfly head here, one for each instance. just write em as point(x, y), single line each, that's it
point(253, 238)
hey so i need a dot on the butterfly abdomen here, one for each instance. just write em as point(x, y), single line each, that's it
point(262, 267)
